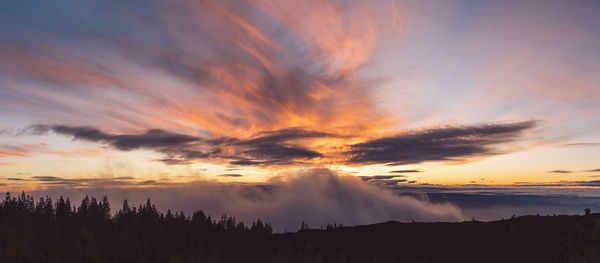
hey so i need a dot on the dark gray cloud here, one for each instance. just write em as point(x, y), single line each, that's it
point(278, 153)
point(267, 148)
point(275, 147)
point(561, 171)
point(47, 178)
point(379, 177)
point(389, 181)
point(230, 175)
point(441, 144)
point(593, 183)
point(54, 181)
point(244, 161)
point(151, 139)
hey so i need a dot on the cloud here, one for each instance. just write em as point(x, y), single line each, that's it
point(77, 153)
point(581, 144)
point(405, 171)
point(15, 164)
point(561, 171)
point(266, 148)
point(123, 181)
point(317, 196)
point(272, 145)
point(228, 69)
point(230, 175)
point(123, 178)
point(593, 183)
point(569, 171)
point(379, 177)
point(47, 178)
point(151, 139)
point(288, 146)
point(240, 83)
point(14, 151)
point(440, 144)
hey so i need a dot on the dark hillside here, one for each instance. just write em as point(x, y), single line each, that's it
point(522, 239)
point(56, 231)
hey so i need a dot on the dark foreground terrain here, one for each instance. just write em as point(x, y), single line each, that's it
point(56, 231)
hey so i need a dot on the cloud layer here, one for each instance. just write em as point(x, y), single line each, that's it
point(317, 196)
point(291, 146)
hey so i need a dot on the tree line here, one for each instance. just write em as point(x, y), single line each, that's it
point(57, 231)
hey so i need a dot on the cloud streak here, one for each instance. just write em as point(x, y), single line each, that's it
point(405, 171)
point(561, 171)
point(441, 144)
point(226, 68)
point(289, 146)
point(267, 148)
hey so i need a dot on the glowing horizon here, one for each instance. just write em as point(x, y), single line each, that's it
point(248, 91)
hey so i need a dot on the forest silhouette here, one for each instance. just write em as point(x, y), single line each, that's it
point(57, 231)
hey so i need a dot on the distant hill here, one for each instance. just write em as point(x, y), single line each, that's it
point(521, 239)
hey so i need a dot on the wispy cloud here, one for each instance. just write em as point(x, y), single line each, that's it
point(267, 148)
point(253, 66)
point(440, 144)
point(6, 164)
point(405, 171)
point(14, 151)
point(289, 146)
point(561, 171)
point(231, 175)
point(151, 139)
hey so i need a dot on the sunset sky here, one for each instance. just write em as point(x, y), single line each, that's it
point(409, 95)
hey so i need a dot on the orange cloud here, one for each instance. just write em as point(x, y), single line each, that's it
point(13, 151)
point(15, 164)
point(78, 152)
point(240, 69)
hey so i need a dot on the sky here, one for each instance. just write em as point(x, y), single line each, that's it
point(258, 107)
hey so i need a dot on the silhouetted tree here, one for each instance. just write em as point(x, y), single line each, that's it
point(56, 231)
